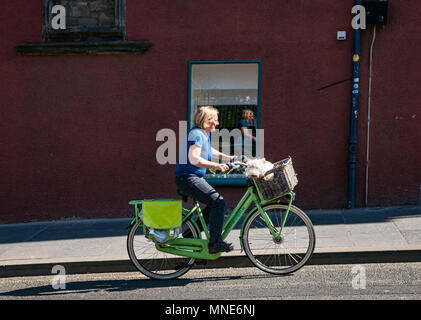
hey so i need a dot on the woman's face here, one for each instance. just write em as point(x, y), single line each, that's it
point(250, 117)
point(213, 123)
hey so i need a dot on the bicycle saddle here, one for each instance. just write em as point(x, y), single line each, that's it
point(183, 195)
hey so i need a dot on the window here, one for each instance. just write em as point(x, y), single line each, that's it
point(83, 27)
point(232, 87)
point(85, 20)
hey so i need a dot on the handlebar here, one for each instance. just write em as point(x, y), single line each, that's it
point(242, 159)
point(235, 165)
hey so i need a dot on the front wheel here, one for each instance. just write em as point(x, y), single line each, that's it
point(286, 252)
point(153, 263)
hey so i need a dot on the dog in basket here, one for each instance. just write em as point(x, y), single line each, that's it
point(256, 168)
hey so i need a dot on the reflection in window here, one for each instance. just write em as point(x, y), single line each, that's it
point(232, 88)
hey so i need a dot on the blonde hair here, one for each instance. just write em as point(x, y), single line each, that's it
point(246, 112)
point(203, 115)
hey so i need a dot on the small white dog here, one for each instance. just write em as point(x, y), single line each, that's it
point(256, 168)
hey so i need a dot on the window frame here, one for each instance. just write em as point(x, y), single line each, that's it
point(225, 181)
point(82, 33)
point(83, 40)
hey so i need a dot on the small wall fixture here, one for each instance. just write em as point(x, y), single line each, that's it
point(341, 36)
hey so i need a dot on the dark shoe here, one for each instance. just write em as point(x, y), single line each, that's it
point(220, 247)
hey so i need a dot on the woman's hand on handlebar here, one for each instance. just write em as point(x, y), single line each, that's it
point(221, 167)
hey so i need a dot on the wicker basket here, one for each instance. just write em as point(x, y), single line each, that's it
point(284, 180)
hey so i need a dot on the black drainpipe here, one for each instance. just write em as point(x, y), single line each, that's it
point(352, 156)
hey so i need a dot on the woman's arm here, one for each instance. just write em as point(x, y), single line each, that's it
point(220, 155)
point(246, 133)
point(196, 160)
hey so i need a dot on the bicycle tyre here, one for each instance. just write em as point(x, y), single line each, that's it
point(153, 263)
point(291, 252)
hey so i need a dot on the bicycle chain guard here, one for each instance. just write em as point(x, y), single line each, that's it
point(188, 247)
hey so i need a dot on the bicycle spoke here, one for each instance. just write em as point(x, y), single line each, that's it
point(153, 263)
point(289, 250)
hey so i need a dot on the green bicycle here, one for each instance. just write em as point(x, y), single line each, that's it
point(276, 236)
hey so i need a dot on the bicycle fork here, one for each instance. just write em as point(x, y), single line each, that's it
point(276, 234)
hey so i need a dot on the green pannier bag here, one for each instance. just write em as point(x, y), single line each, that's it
point(161, 219)
point(162, 213)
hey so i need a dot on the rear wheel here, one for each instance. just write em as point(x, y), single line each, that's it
point(284, 254)
point(153, 263)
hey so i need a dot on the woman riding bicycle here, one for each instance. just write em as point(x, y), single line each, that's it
point(195, 157)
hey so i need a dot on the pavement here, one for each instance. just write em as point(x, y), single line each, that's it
point(343, 236)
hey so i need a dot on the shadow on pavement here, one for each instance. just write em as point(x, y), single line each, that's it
point(80, 287)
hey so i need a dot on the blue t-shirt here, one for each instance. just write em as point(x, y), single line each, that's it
point(243, 123)
point(198, 137)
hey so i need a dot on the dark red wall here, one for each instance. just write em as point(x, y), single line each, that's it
point(78, 132)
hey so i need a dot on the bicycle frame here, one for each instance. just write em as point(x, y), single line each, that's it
point(197, 248)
